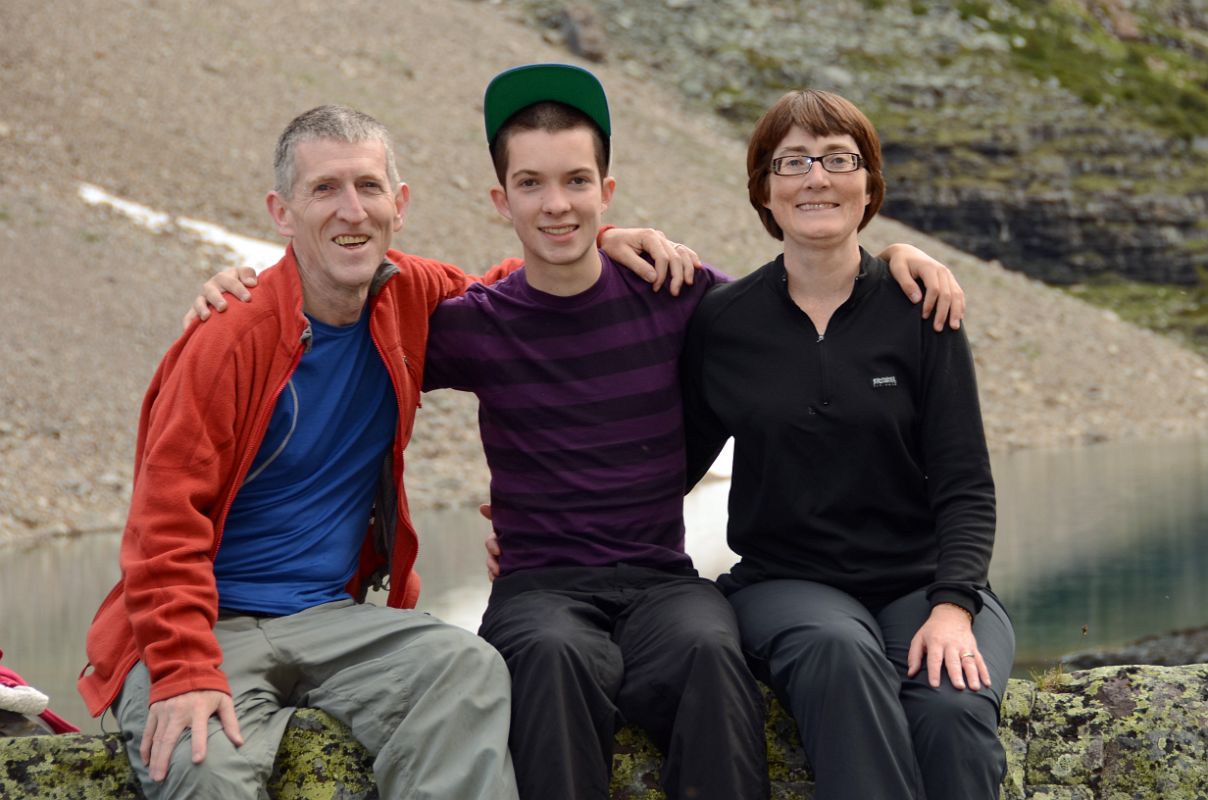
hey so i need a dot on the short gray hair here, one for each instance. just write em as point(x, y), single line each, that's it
point(337, 123)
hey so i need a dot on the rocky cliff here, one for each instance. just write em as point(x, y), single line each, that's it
point(1113, 732)
point(1066, 140)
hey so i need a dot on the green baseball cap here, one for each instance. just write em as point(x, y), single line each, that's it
point(520, 87)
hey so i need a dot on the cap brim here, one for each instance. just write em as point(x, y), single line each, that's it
point(521, 87)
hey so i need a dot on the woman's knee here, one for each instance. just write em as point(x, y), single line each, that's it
point(947, 717)
point(956, 742)
point(843, 644)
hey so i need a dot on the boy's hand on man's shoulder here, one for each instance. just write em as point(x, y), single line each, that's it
point(234, 281)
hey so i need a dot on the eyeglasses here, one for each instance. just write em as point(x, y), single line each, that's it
point(831, 162)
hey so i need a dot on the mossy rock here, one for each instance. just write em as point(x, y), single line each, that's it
point(318, 760)
point(1110, 732)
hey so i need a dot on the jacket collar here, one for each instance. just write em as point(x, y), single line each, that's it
point(872, 270)
point(292, 286)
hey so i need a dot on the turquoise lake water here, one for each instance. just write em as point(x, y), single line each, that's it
point(1113, 538)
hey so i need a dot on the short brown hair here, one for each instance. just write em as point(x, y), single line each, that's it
point(819, 113)
point(551, 117)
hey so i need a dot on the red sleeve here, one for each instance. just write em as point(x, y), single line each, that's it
point(444, 281)
point(185, 448)
point(502, 270)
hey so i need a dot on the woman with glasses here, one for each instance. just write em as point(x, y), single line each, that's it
point(862, 505)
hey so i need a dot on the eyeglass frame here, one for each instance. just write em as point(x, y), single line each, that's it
point(811, 160)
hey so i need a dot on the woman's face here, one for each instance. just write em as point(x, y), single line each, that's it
point(820, 208)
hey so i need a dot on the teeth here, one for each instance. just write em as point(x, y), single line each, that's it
point(559, 230)
point(351, 239)
point(812, 206)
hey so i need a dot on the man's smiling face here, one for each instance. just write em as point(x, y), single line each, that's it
point(341, 214)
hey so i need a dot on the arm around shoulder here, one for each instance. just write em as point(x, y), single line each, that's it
point(956, 458)
point(704, 432)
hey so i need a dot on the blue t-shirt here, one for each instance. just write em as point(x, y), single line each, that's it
point(294, 532)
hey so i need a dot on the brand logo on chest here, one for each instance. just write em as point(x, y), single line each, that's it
point(885, 382)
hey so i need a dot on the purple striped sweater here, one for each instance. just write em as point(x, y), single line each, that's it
point(580, 414)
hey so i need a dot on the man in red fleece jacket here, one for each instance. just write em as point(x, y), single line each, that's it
point(268, 440)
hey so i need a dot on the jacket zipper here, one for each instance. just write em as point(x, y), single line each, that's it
point(823, 373)
point(254, 447)
point(396, 449)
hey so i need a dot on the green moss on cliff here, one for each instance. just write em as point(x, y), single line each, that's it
point(1179, 311)
point(1065, 41)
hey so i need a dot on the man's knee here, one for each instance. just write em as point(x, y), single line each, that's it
point(223, 773)
point(466, 656)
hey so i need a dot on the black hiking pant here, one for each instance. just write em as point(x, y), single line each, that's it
point(591, 648)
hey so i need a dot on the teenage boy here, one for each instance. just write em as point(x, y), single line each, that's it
point(598, 612)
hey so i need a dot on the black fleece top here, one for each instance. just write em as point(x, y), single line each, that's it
point(860, 460)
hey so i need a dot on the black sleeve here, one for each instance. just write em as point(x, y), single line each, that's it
point(704, 433)
point(957, 463)
point(446, 366)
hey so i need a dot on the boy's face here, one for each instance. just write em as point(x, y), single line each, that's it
point(554, 196)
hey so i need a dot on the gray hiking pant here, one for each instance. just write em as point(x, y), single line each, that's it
point(431, 703)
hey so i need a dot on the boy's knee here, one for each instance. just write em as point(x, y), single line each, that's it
point(712, 653)
point(554, 647)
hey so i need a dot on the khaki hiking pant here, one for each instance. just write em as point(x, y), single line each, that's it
point(428, 700)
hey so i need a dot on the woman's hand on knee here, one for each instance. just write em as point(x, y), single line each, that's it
point(947, 643)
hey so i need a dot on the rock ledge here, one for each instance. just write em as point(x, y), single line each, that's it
point(1111, 732)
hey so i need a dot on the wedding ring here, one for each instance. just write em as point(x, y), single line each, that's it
point(968, 655)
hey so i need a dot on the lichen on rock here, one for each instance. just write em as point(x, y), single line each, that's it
point(1110, 732)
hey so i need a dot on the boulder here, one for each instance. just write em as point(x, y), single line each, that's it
point(1110, 732)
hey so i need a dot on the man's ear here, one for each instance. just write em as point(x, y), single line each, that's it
point(607, 187)
point(402, 201)
point(278, 209)
point(499, 196)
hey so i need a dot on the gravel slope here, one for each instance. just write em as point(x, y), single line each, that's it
point(176, 105)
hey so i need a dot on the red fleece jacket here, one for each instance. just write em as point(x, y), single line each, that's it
point(203, 419)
